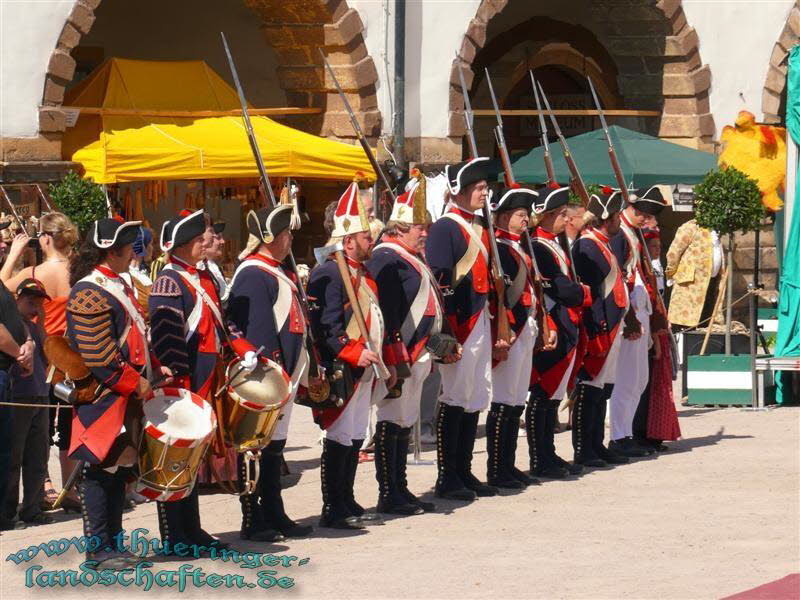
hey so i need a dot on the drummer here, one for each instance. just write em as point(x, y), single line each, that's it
point(264, 305)
point(189, 333)
point(100, 306)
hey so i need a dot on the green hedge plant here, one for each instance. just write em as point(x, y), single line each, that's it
point(82, 200)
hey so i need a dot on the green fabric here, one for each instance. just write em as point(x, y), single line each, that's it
point(788, 338)
point(645, 160)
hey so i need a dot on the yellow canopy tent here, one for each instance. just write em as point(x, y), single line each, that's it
point(135, 147)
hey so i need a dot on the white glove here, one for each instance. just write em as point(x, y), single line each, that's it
point(249, 361)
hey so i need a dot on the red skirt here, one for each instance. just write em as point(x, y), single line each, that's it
point(662, 418)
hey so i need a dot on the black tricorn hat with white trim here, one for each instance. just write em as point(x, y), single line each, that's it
point(218, 226)
point(514, 198)
point(651, 201)
point(183, 229)
point(113, 232)
point(605, 203)
point(550, 199)
point(165, 236)
point(462, 174)
point(267, 223)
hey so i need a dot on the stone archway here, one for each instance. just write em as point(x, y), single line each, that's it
point(295, 29)
point(672, 72)
point(775, 84)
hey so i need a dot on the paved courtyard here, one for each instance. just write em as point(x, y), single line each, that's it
point(717, 515)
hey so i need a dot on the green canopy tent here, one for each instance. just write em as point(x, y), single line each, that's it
point(645, 160)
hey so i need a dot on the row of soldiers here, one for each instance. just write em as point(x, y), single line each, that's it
point(423, 296)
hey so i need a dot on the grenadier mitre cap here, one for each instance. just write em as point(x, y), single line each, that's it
point(410, 207)
point(113, 232)
point(350, 216)
point(462, 174)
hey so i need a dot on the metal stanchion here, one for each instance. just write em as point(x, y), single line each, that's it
point(417, 460)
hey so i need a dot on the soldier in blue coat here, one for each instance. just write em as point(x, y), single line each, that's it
point(264, 304)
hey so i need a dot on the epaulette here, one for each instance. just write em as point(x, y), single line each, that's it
point(88, 301)
point(165, 286)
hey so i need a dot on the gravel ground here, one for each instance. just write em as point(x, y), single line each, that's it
point(716, 515)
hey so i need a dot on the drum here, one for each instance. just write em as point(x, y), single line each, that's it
point(254, 403)
point(177, 432)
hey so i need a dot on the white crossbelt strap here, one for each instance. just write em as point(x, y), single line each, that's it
point(286, 287)
point(202, 298)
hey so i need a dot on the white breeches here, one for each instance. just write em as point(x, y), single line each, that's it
point(352, 422)
point(404, 411)
point(468, 382)
point(633, 370)
point(511, 378)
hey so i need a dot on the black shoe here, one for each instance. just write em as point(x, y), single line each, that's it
point(292, 529)
point(403, 508)
point(262, 535)
point(341, 523)
point(612, 457)
point(457, 494)
point(524, 478)
point(595, 463)
point(427, 507)
point(551, 472)
point(661, 447)
point(11, 524)
point(482, 490)
point(112, 561)
point(626, 447)
point(39, 519)
point(645, 445)
point(572, 468)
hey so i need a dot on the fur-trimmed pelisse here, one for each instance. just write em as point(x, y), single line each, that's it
point(462, 174)
point(650, 201)
point(113, 233)
point(267, 223)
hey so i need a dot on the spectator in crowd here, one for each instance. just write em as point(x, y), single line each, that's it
point(29, 438)
point(57, 238)
point(15, 348)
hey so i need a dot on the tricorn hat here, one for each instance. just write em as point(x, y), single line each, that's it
point(183, 229)
point(550, 199)
point(462, 174)
point(651, 201)
point(350, 217)
point(113, 232)
point(267, 223)
point(514, 198)
point(605, 203)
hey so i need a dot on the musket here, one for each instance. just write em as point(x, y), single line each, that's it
point(503, 326)
point(362, 139)
point(548, 158)
point(577, 180)
point(548, 165)
point(314, 366)
point(647, 265)
point(544, 327)
point(44, 198)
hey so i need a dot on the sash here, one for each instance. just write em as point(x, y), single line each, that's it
point(613, 282)
point(424, 296)
point(475, 247)
point(523, 278)
point(193, 319)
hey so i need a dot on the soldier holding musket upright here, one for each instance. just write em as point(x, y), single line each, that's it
point(597, 267)
point(552, 368)
point(348, 324)
point(457, 251)
point(412, 307)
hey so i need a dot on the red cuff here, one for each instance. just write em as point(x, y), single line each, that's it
point(127, 382)
point(395, 353)
point(587, 296)
point(351, 352)
point(241, 347)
